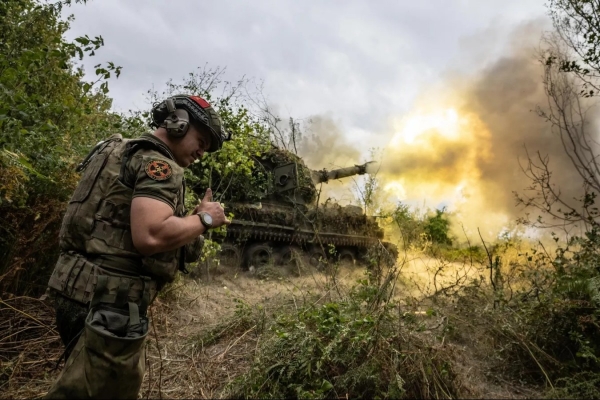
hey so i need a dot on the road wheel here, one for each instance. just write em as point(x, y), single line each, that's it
point(346, 257)
point(258, 255)
point(289, 255)
point(317, 258)
point(230, 256)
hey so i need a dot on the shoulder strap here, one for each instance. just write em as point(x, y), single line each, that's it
point(98, 148)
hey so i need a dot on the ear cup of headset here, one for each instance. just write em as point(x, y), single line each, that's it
point(177, 123)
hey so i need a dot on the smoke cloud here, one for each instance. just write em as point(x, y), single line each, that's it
point(464, 145)
point(326, 147)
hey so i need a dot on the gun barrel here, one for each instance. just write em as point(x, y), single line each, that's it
point(324, 175)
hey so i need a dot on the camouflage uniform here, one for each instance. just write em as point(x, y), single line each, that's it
point(101, 284)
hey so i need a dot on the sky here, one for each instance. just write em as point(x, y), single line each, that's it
point(444, 89)
point(359, 63)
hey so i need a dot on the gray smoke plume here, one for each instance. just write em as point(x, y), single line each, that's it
point(464, 144)
point(472, 158)
point(325, 146)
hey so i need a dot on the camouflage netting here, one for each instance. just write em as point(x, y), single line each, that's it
point(279, 216)
point(331, 218)
point(349, 220)
point(259, 186)
point(306, 191)
point(232, 188)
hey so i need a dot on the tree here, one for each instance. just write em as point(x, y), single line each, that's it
point(409, 223)
point(569, 294)
point(577, 23)
point(49, 118)
point(285, 135)
point(571, 62)
point(48, 114)
point(437, 227)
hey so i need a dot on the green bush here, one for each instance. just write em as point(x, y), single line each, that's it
point(585, 385)
point(437, 227)
point(546, 328)
point(409, 224)
point(360, 346)
point(564, 319)
point(49, 118)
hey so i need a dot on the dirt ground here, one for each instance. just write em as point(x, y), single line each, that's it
point(183, 358)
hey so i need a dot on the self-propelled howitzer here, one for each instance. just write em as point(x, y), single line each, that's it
point(278, 216)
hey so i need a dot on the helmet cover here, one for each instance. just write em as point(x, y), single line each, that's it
point(201, 113)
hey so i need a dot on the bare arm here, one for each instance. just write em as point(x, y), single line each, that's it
point(154, 228)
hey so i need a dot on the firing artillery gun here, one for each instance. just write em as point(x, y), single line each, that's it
point(277, 217)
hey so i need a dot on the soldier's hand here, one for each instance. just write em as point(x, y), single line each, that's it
point(215, 209)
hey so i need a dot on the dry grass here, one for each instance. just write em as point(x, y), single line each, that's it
point(203, 347)
point(184, 368)
point(181, 367)
point(197, 345)
point(29, 347)
point(476, 333)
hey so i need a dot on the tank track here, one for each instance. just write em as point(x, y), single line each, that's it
point(248, 230)
point(251, 243)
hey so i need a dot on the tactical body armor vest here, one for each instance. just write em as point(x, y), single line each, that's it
point(95, 236)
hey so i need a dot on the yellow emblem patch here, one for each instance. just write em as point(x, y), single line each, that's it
point(159, 170)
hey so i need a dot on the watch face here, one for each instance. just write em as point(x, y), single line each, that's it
point(207, 218)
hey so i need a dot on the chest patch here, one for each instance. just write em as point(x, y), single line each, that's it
point(159, 170)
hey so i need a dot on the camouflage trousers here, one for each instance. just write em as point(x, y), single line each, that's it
point(108, 360)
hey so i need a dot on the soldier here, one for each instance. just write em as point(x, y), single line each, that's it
point(124, 236)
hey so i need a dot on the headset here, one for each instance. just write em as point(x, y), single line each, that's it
point(177, 112)
point(177, 122)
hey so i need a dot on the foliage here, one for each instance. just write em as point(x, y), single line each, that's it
point(543, 326)
point(564, 319)
point(581, 386)
point(559, 298)
point(234, 164)
point(358, 346)
point(421, 229)
point(409, 223)
point(259, 185)
point(577, 22)
point(49, 118)
point(437, 227)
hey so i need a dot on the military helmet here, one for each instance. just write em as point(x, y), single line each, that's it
point(176, 112)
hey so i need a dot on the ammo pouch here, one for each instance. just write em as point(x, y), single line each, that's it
point(77, 278)
point(193, 250)
point(108, 360)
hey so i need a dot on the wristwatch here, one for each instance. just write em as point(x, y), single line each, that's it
point(206, 219)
